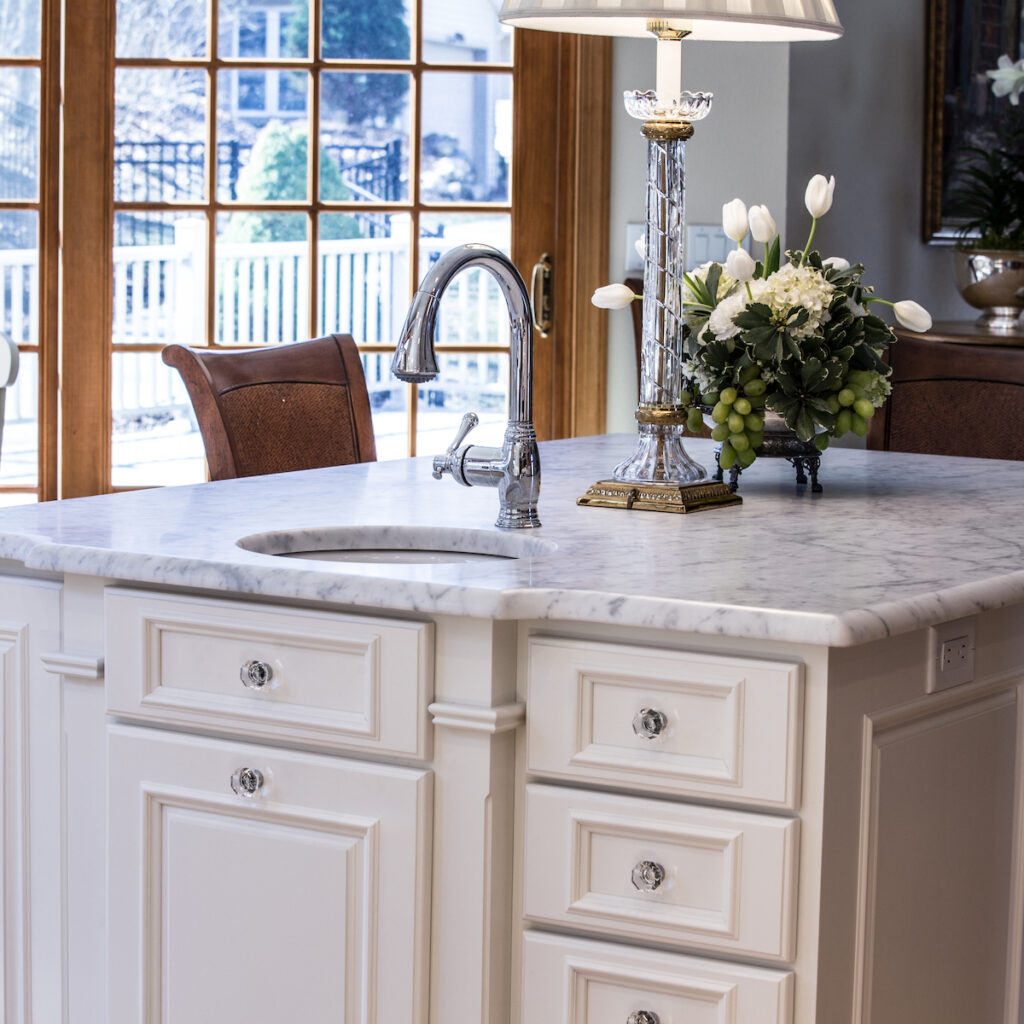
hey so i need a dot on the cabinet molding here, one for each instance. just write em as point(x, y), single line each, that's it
point(490, 720)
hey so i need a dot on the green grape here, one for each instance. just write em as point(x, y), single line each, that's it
point(748, 373)
point(821, 441)
point(720, 413)
point(742, 406)
point(756, 438)
point(860, 378)
point(847, 397)
point(844, 421)
point(862, 407)
point(739, 442)
point(859, 425)
point(754, 423)
point(858, 393)
point(833, 404)
point(709, 398)
point(757, 401)
point(754, 388)
point(695, 421)
point(728, 396)
point(736, 423)
point(720, 432)
point(727, 456)
point(746, 458)
point(685, 398)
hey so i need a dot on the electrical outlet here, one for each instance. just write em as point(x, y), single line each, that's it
point(951, 661)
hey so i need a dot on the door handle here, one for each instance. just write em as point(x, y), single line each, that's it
point(541, 295)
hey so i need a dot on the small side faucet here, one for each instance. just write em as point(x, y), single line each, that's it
point(514, 468)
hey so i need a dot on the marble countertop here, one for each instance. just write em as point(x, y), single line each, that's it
point(896, 542)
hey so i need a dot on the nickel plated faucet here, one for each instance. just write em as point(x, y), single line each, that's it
point(514, 468)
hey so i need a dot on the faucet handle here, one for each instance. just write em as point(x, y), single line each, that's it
point(443, 463)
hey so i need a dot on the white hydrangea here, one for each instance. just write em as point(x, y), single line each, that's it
point(789, 287)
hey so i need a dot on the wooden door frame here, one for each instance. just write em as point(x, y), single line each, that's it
point(566, 79)
point(562, 126)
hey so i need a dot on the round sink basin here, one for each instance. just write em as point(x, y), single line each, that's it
point(396, 545)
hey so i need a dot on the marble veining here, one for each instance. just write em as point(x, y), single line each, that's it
point(895, 543)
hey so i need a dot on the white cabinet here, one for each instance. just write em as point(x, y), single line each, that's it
point(253, 885)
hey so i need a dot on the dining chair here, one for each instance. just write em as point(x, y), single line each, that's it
point(275, 410)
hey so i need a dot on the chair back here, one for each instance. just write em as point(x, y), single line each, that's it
point(275, 410)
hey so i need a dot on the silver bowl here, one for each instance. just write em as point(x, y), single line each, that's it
point(992, 281)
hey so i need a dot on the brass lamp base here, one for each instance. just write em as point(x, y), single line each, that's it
point(642, 497)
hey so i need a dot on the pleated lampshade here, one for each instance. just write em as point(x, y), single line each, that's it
point(734, 20)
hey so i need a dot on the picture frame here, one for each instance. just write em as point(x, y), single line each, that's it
point(963, 39)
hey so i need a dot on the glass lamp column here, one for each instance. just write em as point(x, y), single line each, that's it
point(660, 457)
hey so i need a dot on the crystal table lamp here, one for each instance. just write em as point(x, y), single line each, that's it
point(660, 460)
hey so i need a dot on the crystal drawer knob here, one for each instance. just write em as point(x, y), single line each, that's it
point(648, 875)
point(644, 1017)
point(247, 781)
point(649, 723)
point(256, 674)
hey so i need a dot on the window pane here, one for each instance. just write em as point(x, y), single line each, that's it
point(366, 30)
point(159, 278)
point(148, 29)
point(463, 32)
point(19, 133)
point(19, 276)
point(156, 438)
point(159, 133)
point(261, 145)
point(467, 137)
point(389, 405)
point(273, 31)
point(19, 457)
point(364, 129)
point(468, 381)
point(364, 277)
point(20, 23)
point(262, 278)
point(473, 311)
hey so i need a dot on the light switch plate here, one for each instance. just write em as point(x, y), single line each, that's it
point(704, 242)
point(950, 654)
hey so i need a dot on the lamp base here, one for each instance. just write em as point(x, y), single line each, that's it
point(680, 498)
point(659, 457)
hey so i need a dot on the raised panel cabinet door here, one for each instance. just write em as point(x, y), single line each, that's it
point(251, 885)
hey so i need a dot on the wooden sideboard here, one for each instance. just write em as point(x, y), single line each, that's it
point(957, 390)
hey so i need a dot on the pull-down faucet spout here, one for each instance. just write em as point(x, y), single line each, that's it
point(515, 467)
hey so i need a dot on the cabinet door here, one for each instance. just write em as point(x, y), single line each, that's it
point(251, 885)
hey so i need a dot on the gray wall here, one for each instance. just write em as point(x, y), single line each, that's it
point(856, 110)
point(739, 150)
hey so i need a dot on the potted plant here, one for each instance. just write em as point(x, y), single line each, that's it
point(990, 256)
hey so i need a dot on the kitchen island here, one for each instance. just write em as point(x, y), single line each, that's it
point(759, 764)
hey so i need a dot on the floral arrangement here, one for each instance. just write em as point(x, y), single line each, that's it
point(795, 338)
point(990, 193)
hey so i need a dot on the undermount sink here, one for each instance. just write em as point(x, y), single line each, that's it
point(404, 545)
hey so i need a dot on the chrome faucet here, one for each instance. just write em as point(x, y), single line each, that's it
point(514, 468)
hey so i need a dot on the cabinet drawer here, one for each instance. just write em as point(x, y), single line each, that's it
point(648, 869)
point(304, 899)
point(320, 678)
point(662, 720)
point(576, 981)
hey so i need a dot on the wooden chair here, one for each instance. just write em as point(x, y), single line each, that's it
point(274, 410)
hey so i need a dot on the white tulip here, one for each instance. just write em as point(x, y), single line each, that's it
point(912, 316)
point(762, 225)
point(1008, 79)
point(836, 263)
point(613, 296)
point(734, 220)
point(818, 197)
point(740, 264)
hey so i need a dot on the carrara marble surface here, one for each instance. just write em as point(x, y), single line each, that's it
point(895, 543)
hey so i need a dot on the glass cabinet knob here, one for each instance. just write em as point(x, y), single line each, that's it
point(644, 1017)
point(648, 875)
point(649, 723)
point(247, 781)
point(256, 674)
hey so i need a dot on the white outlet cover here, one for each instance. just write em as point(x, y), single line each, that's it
point(940, 678)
